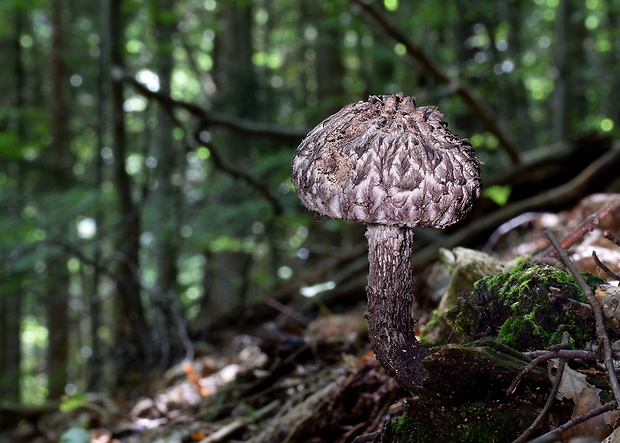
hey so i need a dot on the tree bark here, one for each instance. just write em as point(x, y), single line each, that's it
point(237, 94)
point(57, 273)
point(134, 329)
point(390, 299)
point(11, 287)
point(330, 70)
point(165, 195)
point(560, 96)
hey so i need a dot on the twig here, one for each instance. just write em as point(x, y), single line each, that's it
point(510, 225)
point(609, 236)
point(611, 274)
point(286, 310)
point(223, 433)
point(569, 304)
point(241, 126)
point(554, 390)
point(588, 224)
point(596, 308)
point(260, 188)
point(548, 355)
point(575, 421)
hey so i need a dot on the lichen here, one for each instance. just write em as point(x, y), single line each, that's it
point(515, 308)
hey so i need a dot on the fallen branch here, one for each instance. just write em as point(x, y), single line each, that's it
point(601, 333)
point(575, 421)
point(569, 304)
point(550, 399)
point(223, 433)
point(549, 355)
point(609, 236)
point(611, 274)
point(588, 224)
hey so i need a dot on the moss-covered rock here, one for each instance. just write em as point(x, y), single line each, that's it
point(515, 308)
point(465, 267)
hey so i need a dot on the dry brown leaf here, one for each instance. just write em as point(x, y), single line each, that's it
point(574, 386)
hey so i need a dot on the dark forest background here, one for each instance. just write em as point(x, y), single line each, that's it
point(145, 149)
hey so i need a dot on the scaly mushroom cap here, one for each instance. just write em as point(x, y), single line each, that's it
point(385, 161)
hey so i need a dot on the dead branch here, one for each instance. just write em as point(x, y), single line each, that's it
point(260, 188)
point(609, 236)
point(487, 117)
point(224, 433)
point(601, 333)
point(552, 394)
point(611, 274)
point(207, 118)
point(575, 421)
point(432, 240)
point(569, 304)
point(588, 224)
point(549, 355)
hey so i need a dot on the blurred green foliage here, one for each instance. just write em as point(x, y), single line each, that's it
point(307, 60)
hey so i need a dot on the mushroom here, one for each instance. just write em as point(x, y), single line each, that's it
point(393, 167)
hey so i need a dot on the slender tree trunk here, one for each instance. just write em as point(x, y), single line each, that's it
point(611, 106)
point(10, 300)
point(58, 275)
point(330, 70)
point(96, 361)
point(134, 331)
point(10, 355)
point(512, 13)
point(560, 104)
point(165, 198)
point(237, 89)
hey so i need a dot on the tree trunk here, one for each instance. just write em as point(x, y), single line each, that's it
point(134, 330)
point(237, 90)
point(10, 338)
point(96, 361)
point(560, 104)
point(390, 300)
point(330, 70)
point(165, 195)
point(58, 275)
point(11, 287)
point(513, 13)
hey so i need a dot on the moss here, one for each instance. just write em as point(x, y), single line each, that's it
point(470, 423)
point(514, 307)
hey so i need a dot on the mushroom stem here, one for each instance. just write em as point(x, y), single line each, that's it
point(390, 298)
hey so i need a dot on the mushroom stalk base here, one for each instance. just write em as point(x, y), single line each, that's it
point(390, 298)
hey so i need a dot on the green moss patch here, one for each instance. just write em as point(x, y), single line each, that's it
point(515, 308)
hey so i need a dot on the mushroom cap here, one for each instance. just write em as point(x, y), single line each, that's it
point(384, 161)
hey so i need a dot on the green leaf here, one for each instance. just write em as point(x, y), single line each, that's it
point(498, 194)
point(73, 402)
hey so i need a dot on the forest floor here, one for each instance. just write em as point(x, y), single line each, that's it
point(281, 381)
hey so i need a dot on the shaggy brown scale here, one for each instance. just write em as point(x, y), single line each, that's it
point(394, 167)
point(385, 161)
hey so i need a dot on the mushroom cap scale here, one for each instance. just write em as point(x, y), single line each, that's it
point(384, 161)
